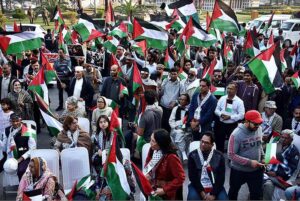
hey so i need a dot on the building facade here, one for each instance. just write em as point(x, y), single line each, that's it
point(234, 4)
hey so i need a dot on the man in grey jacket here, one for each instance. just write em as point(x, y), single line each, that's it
point(245, 152)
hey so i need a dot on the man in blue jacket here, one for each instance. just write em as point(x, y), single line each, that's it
point(201, 111)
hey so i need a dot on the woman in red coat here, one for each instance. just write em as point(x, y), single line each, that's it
point(163, 167)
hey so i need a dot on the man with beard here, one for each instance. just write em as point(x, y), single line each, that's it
point(150, 62)
point(295, 124)
point(245, 152)
point(190, 84)
point(147, 82)
point(206, 168)
point(63, 69)
point(93, 75)
point(159, 75)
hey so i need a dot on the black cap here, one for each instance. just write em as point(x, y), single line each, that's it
point(14, 116)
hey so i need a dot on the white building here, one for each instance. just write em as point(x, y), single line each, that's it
point(234, 4)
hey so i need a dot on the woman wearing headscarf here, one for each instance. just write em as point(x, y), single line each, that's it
point(21, 100)
point(38, 180)
point(72, 136)
point(102, 109)
point(72, 109)
point(163, 167)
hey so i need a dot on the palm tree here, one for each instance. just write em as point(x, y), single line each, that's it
point(2, 7)
point(128, 8)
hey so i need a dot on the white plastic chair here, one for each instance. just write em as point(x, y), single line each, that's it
point(75, 165)
point(125, 154)
point(84, 124)
point(194, 145)
point(145, 151)
point(52, 158)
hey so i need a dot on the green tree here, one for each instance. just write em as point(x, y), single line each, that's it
point(128, 8)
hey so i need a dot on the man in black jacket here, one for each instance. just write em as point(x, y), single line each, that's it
point(206, 168)
point(5, 80)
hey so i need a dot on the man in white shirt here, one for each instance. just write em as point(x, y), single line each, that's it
point(230, 110)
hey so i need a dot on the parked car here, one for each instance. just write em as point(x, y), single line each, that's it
point(291, 31)
point(260, 22)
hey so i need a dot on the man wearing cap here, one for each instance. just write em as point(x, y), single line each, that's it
point(288, 159)
point(63, 69)
point(190, 84)
point(18, 146)
point(81, 88)
point(245, 152)
point(230, 110)
point(272, 121)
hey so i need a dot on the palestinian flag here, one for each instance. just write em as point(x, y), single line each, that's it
point(109, 16)
point(271, 40)
point(111, 44)
point(185, 7)
point(53, 125)
point(16, 28)
point(155, 36)
point(86, 28)
point(114, 61)
point(219, 91)
point(20, 42)
point(270, 157)
point(140, 47)
point(39, 86)
point(28, 132)
point(275, 137)
point(169, 59)
point(71, 194)
point(113, 105)
point(136, 78)
point(115, 125)
point(182, 75)
point(251, 46)
point(177, 23)
point(208, 74)
point(121, 31)
point(142, 182)
point(66, 33)
point(228, 53)
point(28, 197)
point(296, 80)
point(115, 174)
point(194, 35)
point(50, 73)
point(266, 71)
point(224, 18)
point(282, 60)
point(269, 25)
point(58, 19)
point(293, 54)
point(85, 185)
point(208, 19)
point(123, 89)
point(61, 42)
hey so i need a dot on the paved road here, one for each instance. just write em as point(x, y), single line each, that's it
point(44, 143)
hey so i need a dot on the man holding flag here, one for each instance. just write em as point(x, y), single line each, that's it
point(286, 163)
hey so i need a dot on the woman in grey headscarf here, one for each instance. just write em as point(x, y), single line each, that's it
point(72, 109)
point(21, 100)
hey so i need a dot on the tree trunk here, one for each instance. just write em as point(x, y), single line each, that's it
point(79, 6)
point(105, 5)
point(2, 7)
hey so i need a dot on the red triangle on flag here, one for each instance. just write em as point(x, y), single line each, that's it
point(114, 122)
point(216, 12)
point(109, 16)
point(143, 45)
point(142, 181)
point(25, 197)
point(4, 43)
point(188, 31)
point(94, 34)
point(137, 80)
point(123, 27)
point(72, 192)
point(38, 79)
point(267, 54)
point(16, 28)
point(249, 41)
point(208, 19)
point(137, 29)
point(274, 161)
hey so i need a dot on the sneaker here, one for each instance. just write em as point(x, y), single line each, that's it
point(59, 108)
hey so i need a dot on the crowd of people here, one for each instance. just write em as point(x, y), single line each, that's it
point(175, 106)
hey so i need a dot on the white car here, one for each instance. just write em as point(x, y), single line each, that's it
point(291, 31)
point(38, 29)
point(276, 22)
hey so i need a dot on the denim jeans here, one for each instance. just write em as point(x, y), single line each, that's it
point(292, 192)
point(194, 195)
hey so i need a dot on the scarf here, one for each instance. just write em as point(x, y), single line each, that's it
point(267, 124)
point(285, 163)
point(102, 141)
point(156, 157)
point(205, 180)
point(11, 141)
point(82, 140)
point(197, 114)
point(178, 112)
point(295, 126)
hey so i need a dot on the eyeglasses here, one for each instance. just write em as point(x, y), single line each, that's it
point(255, 124)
